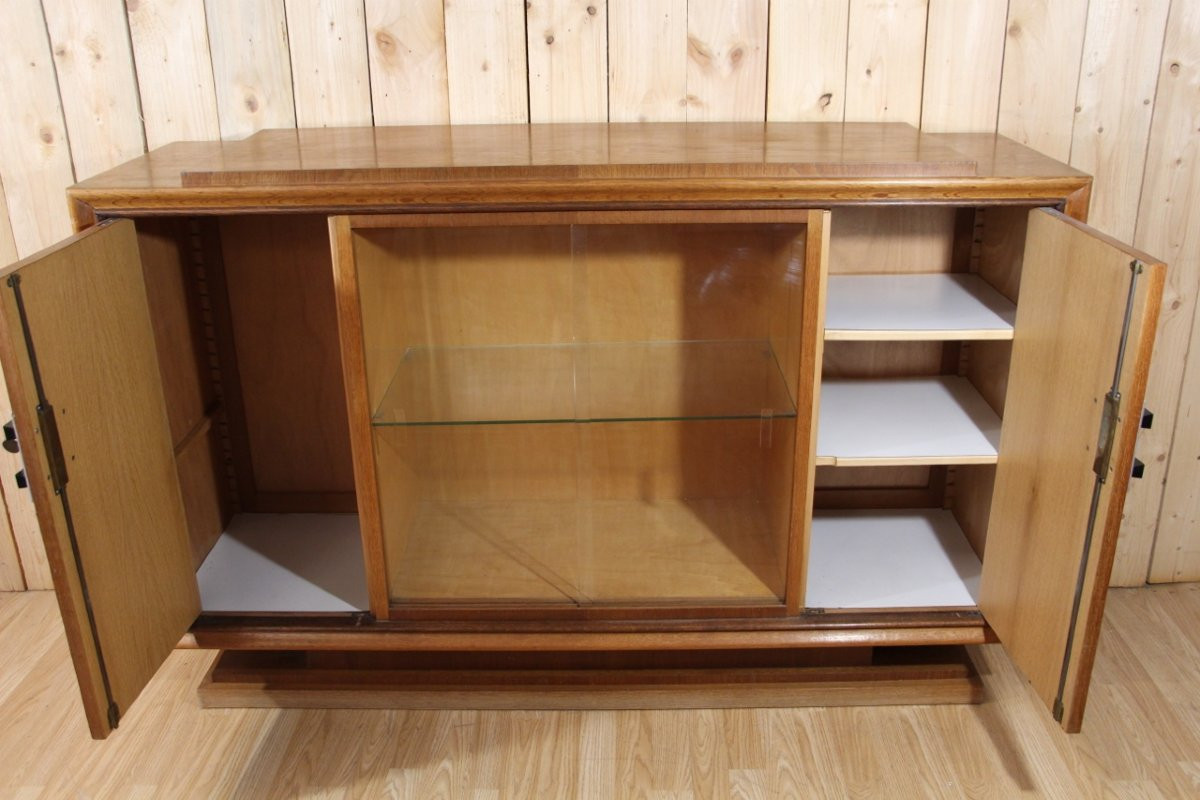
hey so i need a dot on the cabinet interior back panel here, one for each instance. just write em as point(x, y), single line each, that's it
point(280, 283)
point(285, 563)
point(890, 559)
point(899, 239)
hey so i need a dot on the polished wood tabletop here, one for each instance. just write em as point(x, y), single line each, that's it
point(580, 164)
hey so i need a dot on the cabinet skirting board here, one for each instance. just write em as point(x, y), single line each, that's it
point(592, 681)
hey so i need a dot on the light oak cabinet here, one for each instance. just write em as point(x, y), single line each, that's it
point(581, 415)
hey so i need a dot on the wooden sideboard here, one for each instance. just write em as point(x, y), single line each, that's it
point(581, 415)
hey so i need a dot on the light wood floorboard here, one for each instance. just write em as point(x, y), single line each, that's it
point(1141, 735)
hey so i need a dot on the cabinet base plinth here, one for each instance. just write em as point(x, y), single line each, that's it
point(549, 681)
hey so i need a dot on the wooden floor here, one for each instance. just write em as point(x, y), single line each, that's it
point(1141, 735)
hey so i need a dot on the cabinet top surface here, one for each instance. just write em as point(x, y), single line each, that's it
point(582, 163)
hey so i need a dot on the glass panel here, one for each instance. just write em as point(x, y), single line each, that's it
point(585, 383)
point(652, 369)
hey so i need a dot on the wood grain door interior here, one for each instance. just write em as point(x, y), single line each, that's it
point(1086, 312)
point(78, 350)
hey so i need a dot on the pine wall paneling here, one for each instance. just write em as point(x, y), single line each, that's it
point(885, 60)
point(328, 43)
point(1113, 86)
point(174, 70)
point(807, 60)
point(647, 60)
point(35, 169)
point(1167, 226)
point(567, 42)
point(486, 61)
point(1113, 105)
point(12, 579)
point(727, 60)
point(97, 85)
point(1042, 50)
point(964, 53)
point(251, 66)
point(406, 56)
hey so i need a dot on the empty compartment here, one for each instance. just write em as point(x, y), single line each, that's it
point(909, 558)
point(576, 411)
point(304, 563)
point(891, 538)
point(247, 339)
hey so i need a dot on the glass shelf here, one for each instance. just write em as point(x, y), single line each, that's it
point(606, 382)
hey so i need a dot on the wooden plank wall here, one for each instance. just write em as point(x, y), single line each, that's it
point(1113, 86)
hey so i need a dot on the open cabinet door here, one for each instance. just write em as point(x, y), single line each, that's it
point(78, 351)
point(1086, 313)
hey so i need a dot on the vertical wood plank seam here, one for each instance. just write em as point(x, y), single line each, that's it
point(1003, 56)
point(58, 90)
point(607, 63)
point(1161, 489)
point(1070, 159)
point(767, 61)
point(846, 61)
point(287, 39)
point(211, 72)
point(528, 84)
point(137, 82)
point(287, 32)
point(924, 69)
point(367, 50)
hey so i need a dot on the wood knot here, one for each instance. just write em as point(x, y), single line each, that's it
point(591, 11)
point(549, 38)
point(698, 49)
point(132, 5)
point(1014, 30)
point(46, 135)
point(251, 103)
point(824, 100)
point(385, 42)
point(1174, 68)
point(736, 55)
point(486, 66)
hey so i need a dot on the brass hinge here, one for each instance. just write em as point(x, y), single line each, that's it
point(1108, 434)
point(54, 450)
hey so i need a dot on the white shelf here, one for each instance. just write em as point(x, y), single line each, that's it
point(915, 307)
point(939, 420)
point(286, 562)
point(890, 559)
